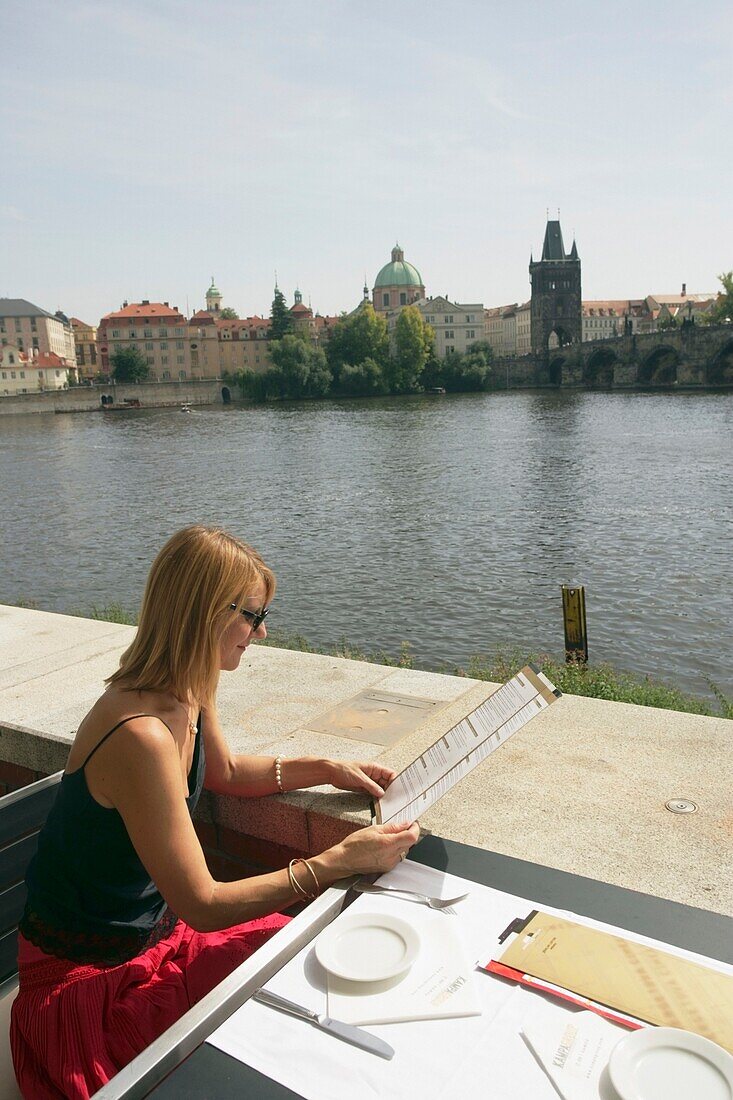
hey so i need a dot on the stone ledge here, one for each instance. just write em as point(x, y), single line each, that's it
point(583, 788)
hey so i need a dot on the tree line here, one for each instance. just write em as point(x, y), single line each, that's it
point(360, 360)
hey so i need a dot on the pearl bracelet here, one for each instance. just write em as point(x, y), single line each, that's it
point(279, 774)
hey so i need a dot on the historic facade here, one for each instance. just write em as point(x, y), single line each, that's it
point(85, 342)
point(155, 329)
point(397, 284)
point(556, 294)
point(32, 329)
point(457, 326)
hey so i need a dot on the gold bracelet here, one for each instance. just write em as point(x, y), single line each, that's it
point(295, 885)
point(279, 774)
point(313, 876)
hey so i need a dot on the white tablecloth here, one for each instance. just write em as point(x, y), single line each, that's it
point(448, 1059)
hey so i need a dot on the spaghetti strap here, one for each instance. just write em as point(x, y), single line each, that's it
point(109, 734)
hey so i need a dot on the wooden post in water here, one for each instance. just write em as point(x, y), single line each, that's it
point(573, 613)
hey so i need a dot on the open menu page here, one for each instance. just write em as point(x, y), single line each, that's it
point(471, 741)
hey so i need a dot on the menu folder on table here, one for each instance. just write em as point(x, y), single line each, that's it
point(617, 976)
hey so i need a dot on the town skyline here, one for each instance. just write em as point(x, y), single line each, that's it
point(243, 140)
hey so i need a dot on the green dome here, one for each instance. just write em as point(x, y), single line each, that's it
point(398, 272)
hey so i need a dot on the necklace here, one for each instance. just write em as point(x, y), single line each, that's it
point(191, 725)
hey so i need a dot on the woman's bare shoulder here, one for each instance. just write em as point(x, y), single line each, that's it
point(144, 713)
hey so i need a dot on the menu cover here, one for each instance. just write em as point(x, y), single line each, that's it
point(644, 982)
point(471, 741)
point(439, 984)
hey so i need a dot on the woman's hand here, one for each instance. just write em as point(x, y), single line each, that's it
point(378, 848)
point(349, 775)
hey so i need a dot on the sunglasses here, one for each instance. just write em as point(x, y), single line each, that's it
point(254, 618)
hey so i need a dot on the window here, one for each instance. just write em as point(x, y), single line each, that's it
point(115, 332)
point(181, 374)
point(469, 318)
point(148, 332)
point(179, 332)
point(117, 347)
point(194, 358)
point(164, 345)
point(449, 334)
point(17, 324)
point(471, 334)
point(179, 343)
point(166, 375)
point(22, 374)
point(164, 359)
point(162, 332)
point(149, 359)
point(403, 299)
point(448, 320)
point(11, 358)
point(12, 374)
point(5, 374)
point(35, 341)
point(20, 343)
point(179, 359)
point(58, 374)
point(33, 325)
point(449, 349)
point(149, 345)
point(132, 334)
point(385, 299)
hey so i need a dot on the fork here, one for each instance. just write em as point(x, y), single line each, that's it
point(409, 895)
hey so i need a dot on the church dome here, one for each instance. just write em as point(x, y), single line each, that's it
point(398, 272)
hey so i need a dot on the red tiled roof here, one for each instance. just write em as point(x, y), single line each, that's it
point(300, 309)
point(140, 309)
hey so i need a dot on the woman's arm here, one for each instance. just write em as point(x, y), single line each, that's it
point(254, 776)
point(141, 776)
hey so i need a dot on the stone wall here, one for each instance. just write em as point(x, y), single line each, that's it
point(88, 398)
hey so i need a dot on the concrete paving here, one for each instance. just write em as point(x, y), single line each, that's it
point(581, 788)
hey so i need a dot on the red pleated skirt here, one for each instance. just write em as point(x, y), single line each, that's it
point(74, 1027)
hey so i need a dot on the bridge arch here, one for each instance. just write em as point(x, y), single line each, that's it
point(719, 372)
point(558, 338)
point(556, 364)
point(659, 368)
point(598, 371)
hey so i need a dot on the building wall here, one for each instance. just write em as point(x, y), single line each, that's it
point(162, 340)
point(457, 326)
point(523, 328)
point(46, 334)
point(85, 342)
point(19, 376)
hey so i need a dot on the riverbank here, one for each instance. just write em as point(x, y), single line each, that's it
point(583, 788)
point(590, 681)
point(151, 395)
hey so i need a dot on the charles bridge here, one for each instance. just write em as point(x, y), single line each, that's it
point(691, 356)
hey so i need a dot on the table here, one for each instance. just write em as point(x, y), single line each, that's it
point(211, 1074)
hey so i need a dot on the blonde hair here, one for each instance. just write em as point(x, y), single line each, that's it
point(194, 580)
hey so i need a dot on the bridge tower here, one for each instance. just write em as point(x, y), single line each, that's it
point(556, 312)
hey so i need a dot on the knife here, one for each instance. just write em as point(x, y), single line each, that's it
point(348, 1032)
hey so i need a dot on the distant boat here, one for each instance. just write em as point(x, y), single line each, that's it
point(185, 407)
point(127, 404)
point(436, 389)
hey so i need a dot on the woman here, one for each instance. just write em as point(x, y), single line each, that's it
point(124, 926)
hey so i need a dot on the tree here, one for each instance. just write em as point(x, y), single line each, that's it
point(281, 319)
point(469, 372)
point(365, 379)
point(722, 311)
point(355, 339)
point(413, 342)
point(298, 369)
point(129, 365)
point(228, 314)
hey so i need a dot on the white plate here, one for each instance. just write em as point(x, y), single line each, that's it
point(367, 947)
point(668, 1063)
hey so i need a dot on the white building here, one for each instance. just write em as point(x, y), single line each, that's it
point(457, 326)
point(24, 373)
point(32, 329)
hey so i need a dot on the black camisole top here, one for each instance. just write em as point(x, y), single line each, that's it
point(90, 899)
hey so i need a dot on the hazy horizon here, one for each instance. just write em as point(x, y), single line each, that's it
point(147, 150)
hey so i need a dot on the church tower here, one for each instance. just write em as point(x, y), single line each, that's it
point(556, 312)
point(213, 299)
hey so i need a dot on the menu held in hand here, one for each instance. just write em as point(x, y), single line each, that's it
point(470, 742)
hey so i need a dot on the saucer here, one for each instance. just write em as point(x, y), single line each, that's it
point(367, 947)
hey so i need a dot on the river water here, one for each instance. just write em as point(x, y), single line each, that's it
point(448, 522)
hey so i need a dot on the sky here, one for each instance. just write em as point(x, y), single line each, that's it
point(147, 147)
